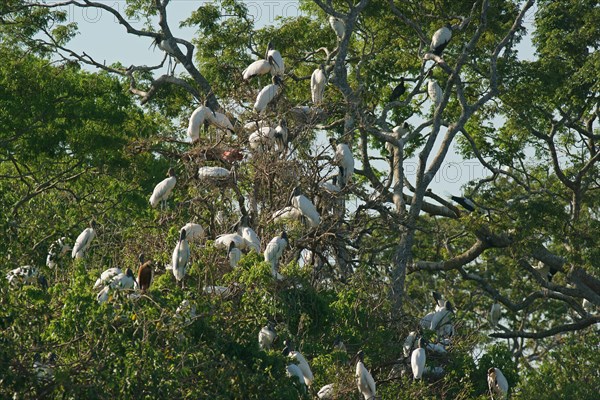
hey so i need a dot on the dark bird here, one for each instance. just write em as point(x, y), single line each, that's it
point(398, 91)
point(145, 273)
point(465, 202)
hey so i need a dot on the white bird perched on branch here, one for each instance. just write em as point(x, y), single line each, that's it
point(267, 94)
point(262, 138)
point(307, 374)
point(364, 380)
point(162, 191)
point(106, 277)
point(213, 173)
point(327, 392)
point(22, 275)
point(281, 135)
point(56, 251)
point(306, 207)
point(273, 253)
point(197, 119)
point(220, 121)
point(497, 384)
point(234, 255)
point(259, 67)
point(224, 241)
point(440, 39)
point(338, 26)
point(292, 370)
point(495, 312)
point(434, 91)
point(193, 232)
point(82, 243)
point(344, 160)
point(251, 239)
point(181, 257)
point(417, 359)
point(274, 58)
point(286, 213)
point(266, 337)
point(318, 81)
point(124, 280)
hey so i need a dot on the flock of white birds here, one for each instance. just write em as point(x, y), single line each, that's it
point(245, 239)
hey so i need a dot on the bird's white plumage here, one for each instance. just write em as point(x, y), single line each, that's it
point(497, 383)
point(417, 362)
point(338, 26)
point(181, 256)
point(265, 96)
point(436, 347)
point(106, 277)
point(234, 256)
point(292, 370)
point(220, 121)
point(255, 125)
point(82, 243)
point(103, 295)
point(22, 275)
point(343, 157)
point(223, 241)
point(303, 365)
point(56, 251)
point(434, 91)
point(440, 37)
point(259, 67)
point(276, 60)
point(495, 312)
point(408, 343)
point(441, 318)
point(264, 137)
point(193, 232)
point(251, 239)
point(327, 392)
point(213, 173)
point(266, 337)
point(329, 187)
point(273, 253)
point(307, 209)
point(199, 115)
point(286, 213)
point(161, 192)
point(364, 381)
point(281, 135)
point(318, 81)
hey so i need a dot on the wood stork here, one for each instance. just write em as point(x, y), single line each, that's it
point(274, 58)
point(344, 160)
point(234, 255)
point(495, 312)
point(338, 344)
point(546, 271)
point(436, 347)
point(398, 90)
point(292, 370)
point(465, 203)
point(199, 116)
point(330, 187)
point(262, 138)
point(250, 237)
point(364, 380)
point(220, 121)
point(281, 135)
point(266, 337)
point(417, 359)
point(307, 374)
point(338, 26)
point(286, 213)
point(106, 277)
point(181, 256)
point(194, 232)
point(306, 207)
point(162, 191)
point(103, 295)
point(82, 243)
point(26, 274)
point(440, 39)
point(124, 280)
point(259, 67)
point(318, 81)
point(497, 384)
point(434, 91)
point(273, 253)
point(267, 94)
point(252, 126)
point(407, 347)
point(327, 392)
point(440, 303)
point(224, 241)
point(442, 317)
point(215, 174)
point(145, 273)
point(56, 251)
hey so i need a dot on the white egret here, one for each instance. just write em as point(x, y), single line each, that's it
point(434, 91)
point(145, 273)
point(56, 251)
point(301, 362)
point(267, 94)
point(338, 26)
point(193, 232)
point(234, 255)
point(181, 256)
point(417, 359)
point(266, 337)
point(259, 67)
point(82, 243)
point(440, 39)
point(306, 207)
point(318, 81)
point(364, 380)
point(199, 116)
point(273, 253)
point(274, 58)
point(497, 384)
point(162, 191)
point(495, 312)
point(344, 160)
